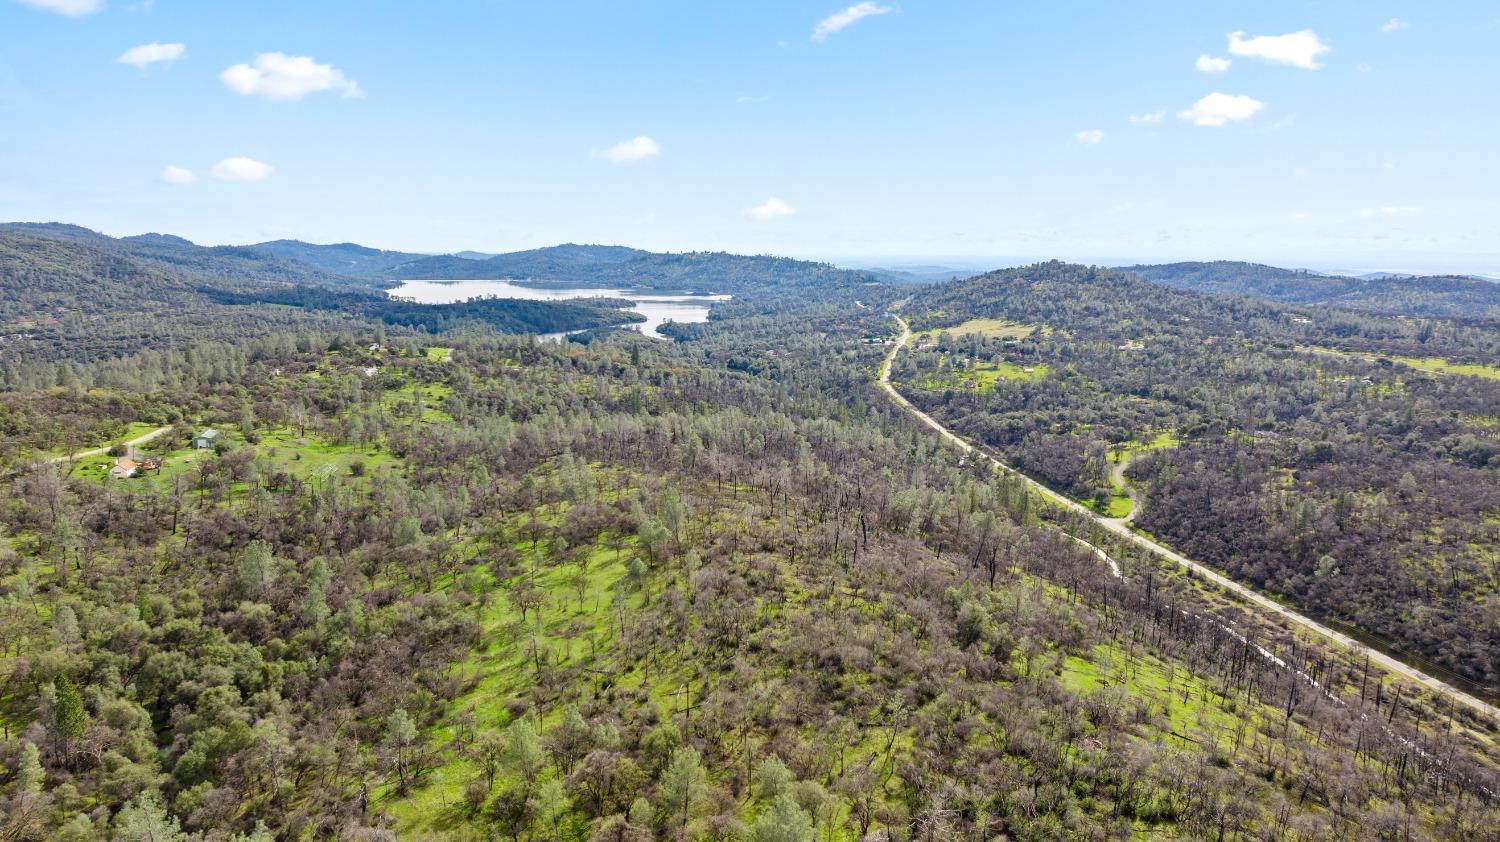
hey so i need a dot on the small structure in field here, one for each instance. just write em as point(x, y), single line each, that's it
point(206, 440)
point(125, 467)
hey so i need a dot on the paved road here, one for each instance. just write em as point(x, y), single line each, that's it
point(84, 454)
point(1123, 530)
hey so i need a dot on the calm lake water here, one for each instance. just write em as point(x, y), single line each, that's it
point(658, 308)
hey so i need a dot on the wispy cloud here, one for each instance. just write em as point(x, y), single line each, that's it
point(1395, 25)
point(279, 76)
point(1385, 210)
point(1298, 49)
point(152, 53)
point(1212, 64)
point(1284, 123)
point(1090, 137)
point(772, 208)
point(179, 176)
point(630, 151)
point(242, 169)
point(1148, 117)
point(1218, 110)
point(838, 21)
point(71, 8)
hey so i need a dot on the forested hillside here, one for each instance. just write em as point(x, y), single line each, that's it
point(632, 590)
point(619, 592)
point(1347, 463)
point(341, 259)
point(616, 267)
point(225, 265)
point(84, 298)
point(1447, 295)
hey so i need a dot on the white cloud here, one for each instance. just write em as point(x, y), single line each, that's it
point(1218, 110)
point(178, 175)
point(1148, 117)
point(629, 151)
point(1389, 165)
point(1364, 68)
point(71, 8)
point(838, 20)
point(242, 169)
point(1091, 137)
point(1299, 49)
point(284, 77)
point(1395, 25)
point(773, 208)
point(1212, 64)
point(152, 53)
point(1387, 210)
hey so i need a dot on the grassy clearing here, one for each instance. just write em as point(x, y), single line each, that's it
point(574, 629)
point(1431, 365)
point(281, 449)
point(1437, 365)
point(1190, 708)
point(427, 395)
point(981, 375)
point(439, 355)
point(994, 328)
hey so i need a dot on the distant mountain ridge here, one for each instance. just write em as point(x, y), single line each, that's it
point(282, 262)
point(340, 258)
point(1447, 296)
point(220, 264)
point(623, 267)
point(68, 293)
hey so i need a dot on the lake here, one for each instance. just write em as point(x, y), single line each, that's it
point(658, 308)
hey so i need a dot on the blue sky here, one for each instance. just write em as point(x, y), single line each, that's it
point(1344, 135)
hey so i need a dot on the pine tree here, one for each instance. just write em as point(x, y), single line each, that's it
point(257, 566)
point(145, 820)
point(783, 821)
point(772, 778)
point(29, 773)
point(400, 734)
point(67, 710)
point(523, 750)
point(684, 784)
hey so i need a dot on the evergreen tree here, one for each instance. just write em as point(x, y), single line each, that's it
point(523, 750)
point(68, 716)
point(772, 778)
point(145, 820)
point(257, 566)
point(783, 821)
point(684, 784)
point(29, 773)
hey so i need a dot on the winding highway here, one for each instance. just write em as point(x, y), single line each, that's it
point(1121, 528)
